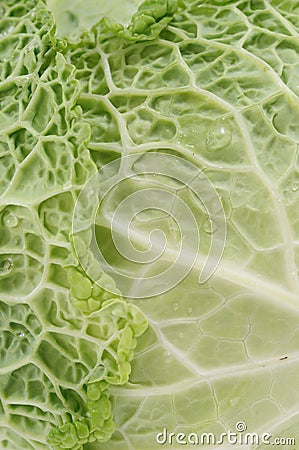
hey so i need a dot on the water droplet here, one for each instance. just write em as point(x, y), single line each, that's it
point(219, 136)
point(168, 357)
point(295, 187)
point(10, 220)
point(6, 267)
point(175, 306)
point(181, 335)
point(209, 226)
point(189, 310)
point(20, 334)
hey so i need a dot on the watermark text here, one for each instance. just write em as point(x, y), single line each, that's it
point(238, 437)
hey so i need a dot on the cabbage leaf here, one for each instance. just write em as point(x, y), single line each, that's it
point(208, 84)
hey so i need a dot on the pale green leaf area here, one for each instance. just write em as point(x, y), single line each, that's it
point(72, 18)
point(210, 84)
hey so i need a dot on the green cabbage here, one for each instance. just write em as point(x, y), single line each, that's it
point(149, 189)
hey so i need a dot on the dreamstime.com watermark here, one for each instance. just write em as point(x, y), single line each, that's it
point(238, 437)
point(121, 206)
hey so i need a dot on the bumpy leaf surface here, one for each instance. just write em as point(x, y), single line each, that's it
point(64, 340)
point(219, 88)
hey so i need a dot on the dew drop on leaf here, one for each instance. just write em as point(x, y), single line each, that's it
point(20, 334)
point(219, 136)
point(209, 227)
point(10, 220)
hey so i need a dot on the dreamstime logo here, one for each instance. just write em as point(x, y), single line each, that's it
point(138, 216)
point(237, 437)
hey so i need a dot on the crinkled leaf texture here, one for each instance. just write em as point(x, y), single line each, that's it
point(218, 87)
point(64, 340)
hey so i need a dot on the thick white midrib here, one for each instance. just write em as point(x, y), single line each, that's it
point(249, 280)
point(268, 291)
point(273, 292)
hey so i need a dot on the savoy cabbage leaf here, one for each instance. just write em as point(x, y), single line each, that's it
point(206, 84)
